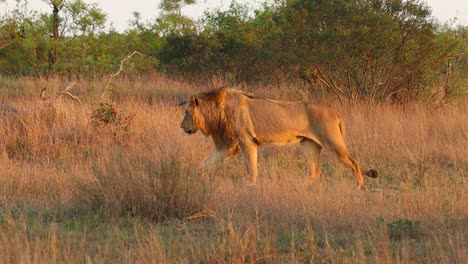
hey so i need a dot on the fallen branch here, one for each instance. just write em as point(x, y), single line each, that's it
point(112, 76)
point(64, 91)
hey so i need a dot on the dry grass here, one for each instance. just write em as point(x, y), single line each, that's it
point(74, 192)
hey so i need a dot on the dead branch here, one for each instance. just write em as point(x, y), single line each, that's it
point(66, 91)
point(330, 83)
point(207, 213)
point(112, 76)
point(63, 92)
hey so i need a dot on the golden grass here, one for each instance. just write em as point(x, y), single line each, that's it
point(72, 192)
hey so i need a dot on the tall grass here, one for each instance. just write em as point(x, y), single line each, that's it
point(71, 191)
point(141, 187)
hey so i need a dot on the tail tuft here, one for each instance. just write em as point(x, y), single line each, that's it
point(371, 173)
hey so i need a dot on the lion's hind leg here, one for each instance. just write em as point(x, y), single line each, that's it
point(311, 151)
point(352, 164)
point(336, 141)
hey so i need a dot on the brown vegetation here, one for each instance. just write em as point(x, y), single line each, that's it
point(74, 192)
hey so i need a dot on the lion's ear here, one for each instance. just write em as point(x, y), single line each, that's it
point(194, 100)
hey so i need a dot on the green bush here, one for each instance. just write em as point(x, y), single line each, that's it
point(404, 228)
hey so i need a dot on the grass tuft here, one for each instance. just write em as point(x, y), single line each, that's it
point(161, 190)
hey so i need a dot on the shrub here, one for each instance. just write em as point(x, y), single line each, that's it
point(118, 123)
point(404, 228)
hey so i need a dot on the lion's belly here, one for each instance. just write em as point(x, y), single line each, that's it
point(279, 139)
point(283, 142)
point(277, 123)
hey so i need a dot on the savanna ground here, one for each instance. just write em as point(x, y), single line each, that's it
point(76, 191)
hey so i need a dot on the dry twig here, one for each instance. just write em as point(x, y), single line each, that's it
point(112, 76)
point(206, 213)
point(64, 91)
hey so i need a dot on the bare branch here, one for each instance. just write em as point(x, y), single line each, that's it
point(321, 77)
point(64, 91)
point(112, 76)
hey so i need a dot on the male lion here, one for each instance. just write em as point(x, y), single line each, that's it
point(240, 121)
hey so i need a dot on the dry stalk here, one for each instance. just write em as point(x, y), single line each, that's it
point(207, 213)
point(112, 76)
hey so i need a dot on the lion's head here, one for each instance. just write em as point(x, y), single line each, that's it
point(207, 112)
point(192, 118)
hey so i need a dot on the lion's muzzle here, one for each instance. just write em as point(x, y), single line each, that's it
point(188, 126)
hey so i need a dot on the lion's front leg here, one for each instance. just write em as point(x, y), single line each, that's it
point(215, 159)
point(249, 151)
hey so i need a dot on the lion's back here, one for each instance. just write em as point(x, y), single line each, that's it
point(268, 121)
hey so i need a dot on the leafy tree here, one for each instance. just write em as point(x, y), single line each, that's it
point(172, 24)
point(175, 6)
point(172, 21)
point(56, 5)
point(76, 18)
point(19, 31)
point(46, 43)
point(230, 46)
point(52, 43)
point(375, 49)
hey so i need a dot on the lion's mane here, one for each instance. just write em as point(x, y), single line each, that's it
point(215, 118)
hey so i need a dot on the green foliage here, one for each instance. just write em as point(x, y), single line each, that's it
point(81, 49)
point(378, 50)
point(86, 19)
point(230, 46)
point(175, 6)
point(373, 50)
point(117, 124)
point(172, 24)
point(404, 228)
point(105, 114)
